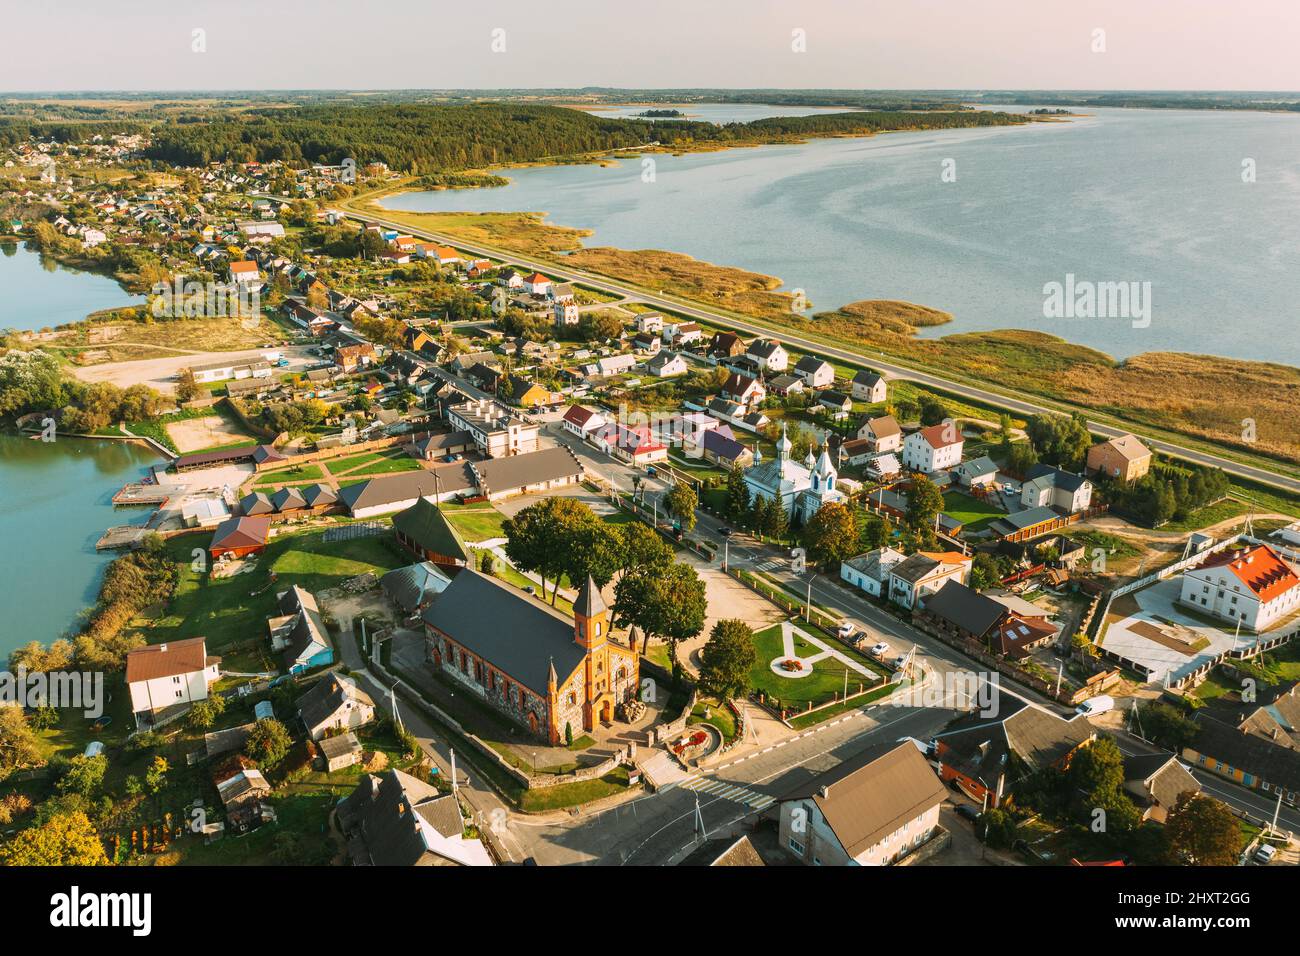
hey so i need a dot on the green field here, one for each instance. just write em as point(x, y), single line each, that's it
point(387, 466)
point(826, 682)
point(975, 515)
point(476, 523)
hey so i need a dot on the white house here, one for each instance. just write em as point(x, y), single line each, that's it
point(869, 572)
point(815, 372)
point(1253, 587)
point(770, 355)
point(869, 387)
point(582, 421)
point(161, 676)
point(682, 334)
point(335, 703)
point(924, 573)
point(882, 434)
point(933, 449)
point(871, 810)
point(666, 365)
point(1048, 486)
point(537, 284)
point(245, 273)
point(650, 322)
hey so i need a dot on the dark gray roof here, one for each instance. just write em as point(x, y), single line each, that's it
point(326, 696)
point(589, 602)
point(257, 503)
point(1066, 481)
point(406, 487)
point(1261, 758)
point(506, 474)
point(415, 585)
point(810, 363)
point(337, 746)
point(512, 631)
point(723, 446)
point(287, 498)
point(964, 608)
point(379, 818)
point(981, 746)
point(1021, 520)
point(727, 851)
point(320, 494)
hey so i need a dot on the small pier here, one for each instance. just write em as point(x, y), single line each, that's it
point(127, 536)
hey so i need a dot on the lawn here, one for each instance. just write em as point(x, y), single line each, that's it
point(387, 466)
point(225, 610)
point(476, 523)
point(573, 794)
point(296, 473)
point(826, 682)
point(339, 466)
point(974, 514)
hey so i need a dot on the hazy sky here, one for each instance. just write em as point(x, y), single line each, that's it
point(293, 44)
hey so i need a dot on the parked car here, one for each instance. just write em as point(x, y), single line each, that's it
point(844, 631)
point(967, 812)
point(1264, 855)
point(878, 651)
point(725, 532)
point(898, 662)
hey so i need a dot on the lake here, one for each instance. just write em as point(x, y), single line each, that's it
point(57, 504)
point(1142, 196)
point(37, 292)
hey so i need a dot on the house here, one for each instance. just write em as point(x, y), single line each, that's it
point(352, 357)
point(565, 312)
point(298, 632)
point(882, 467)
point(442, 444)
point(785, 385)
point(537, 284)
point(523, 393)
point(533, 473)
point(769, 355)
point(610, 365)
point(869, 387)
point(397, 820)
point(727, 851)
point(924, 573)
point(240, 537)
point(256, 503)
point(883, 434)
point(725, 345)
point(647, 343)
point(163, 677)
point(334, 703)
point(1123, 459)
point(682, 334)
point(498, 431)
point(987, 752)
point(1250, 750)
point(564, 292)
point(340, 751)
point(856, 451)
point(1054, 488)
point(511, 279)
point(568, 674)
point(414, 587)
point(1157, 782)
point(650, 322)
point(743, 390)
point(871, 810)
point(241, 787)
point(815, 372)
point(245, 273)
point(288, 498)
point(838, 403)
point(1031, 523)
point(1253, 587)
point(637, 444)
point(976, 473)
point(582, 421)
point(724, 451)
point(870, 571)
point(667, 365)
point(932, 449)
point(425, 531)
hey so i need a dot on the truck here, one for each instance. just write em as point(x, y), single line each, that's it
point(1095, 705)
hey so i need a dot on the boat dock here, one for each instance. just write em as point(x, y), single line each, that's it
point(127, 536)
point(139, 494)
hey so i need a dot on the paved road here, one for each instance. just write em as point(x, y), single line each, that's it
point(876, 361)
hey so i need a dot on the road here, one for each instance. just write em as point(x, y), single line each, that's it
point(876, 361)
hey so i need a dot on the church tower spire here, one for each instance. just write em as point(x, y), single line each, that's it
point(590, 615)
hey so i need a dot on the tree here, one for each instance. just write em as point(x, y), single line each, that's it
point(737, 494)
point(64, 840)
point(205, 712)
point(985, 571)
point(873, 531)
point(1167, 725)
point(932, 410)
point(19, 747)
point(680, 501)
point(1096, 779)
point(728, 658)
point(831, 535)
point(487, 563)
point(540, 537)
point(568, 734)
point(924, 502)
point(268, 742)
point(1201, 831)
point(84, 775)
point(156, 776)
point(1021, 457)
point(664, 602)
point(187, 388)
point(1060, 440)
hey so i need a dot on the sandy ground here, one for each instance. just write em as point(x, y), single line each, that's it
point(160, 373)
point(207, 432)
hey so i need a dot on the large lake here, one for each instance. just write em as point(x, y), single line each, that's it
point(1118, 196)
point(36, 292)
point(56, 496)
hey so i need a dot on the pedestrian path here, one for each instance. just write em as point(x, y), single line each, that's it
point(729, 791)
point(788, 632)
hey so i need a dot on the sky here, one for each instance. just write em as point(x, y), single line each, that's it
point(436, 44)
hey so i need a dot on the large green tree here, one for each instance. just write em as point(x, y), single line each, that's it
point(728, 658)
point(67, 839)
point(666, 603)
point(1201, 831)
point(831, 535)
point(681, 501)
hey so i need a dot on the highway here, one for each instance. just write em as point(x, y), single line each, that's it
point(874, 361)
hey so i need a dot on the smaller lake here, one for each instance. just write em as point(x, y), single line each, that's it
point(39, 293)
point(58, 501)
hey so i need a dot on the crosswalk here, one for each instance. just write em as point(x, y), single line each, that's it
point(770, 565)
point(728, 791)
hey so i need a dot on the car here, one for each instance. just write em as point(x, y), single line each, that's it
point(1095, 705)
point(898, 662)
point(529, 589)
point(725, 532)
point(845, 630)
point(967, 812)
point(878, 651)
point(1264, 855)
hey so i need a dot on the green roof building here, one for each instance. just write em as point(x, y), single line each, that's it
point(425, 531)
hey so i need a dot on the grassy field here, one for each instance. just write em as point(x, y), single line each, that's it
point(297, 473)
point(796, 693)
point(971, 512)
point(387, 466)
point(126, 339)
point(226, 612)
point(476, 523)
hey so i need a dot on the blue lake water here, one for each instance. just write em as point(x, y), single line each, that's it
point(1146, 196)
point(36, 292)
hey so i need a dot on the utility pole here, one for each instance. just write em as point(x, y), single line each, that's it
point(807, 608)
point(392, 698)
point(453, 773)
point(1060, 667)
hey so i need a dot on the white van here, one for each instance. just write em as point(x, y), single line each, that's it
point(1095, 705)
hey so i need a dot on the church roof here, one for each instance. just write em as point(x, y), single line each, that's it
point(589, 602)
point(510, 630)
point(426, 525)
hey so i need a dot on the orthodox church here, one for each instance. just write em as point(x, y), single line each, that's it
point(802, 489)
